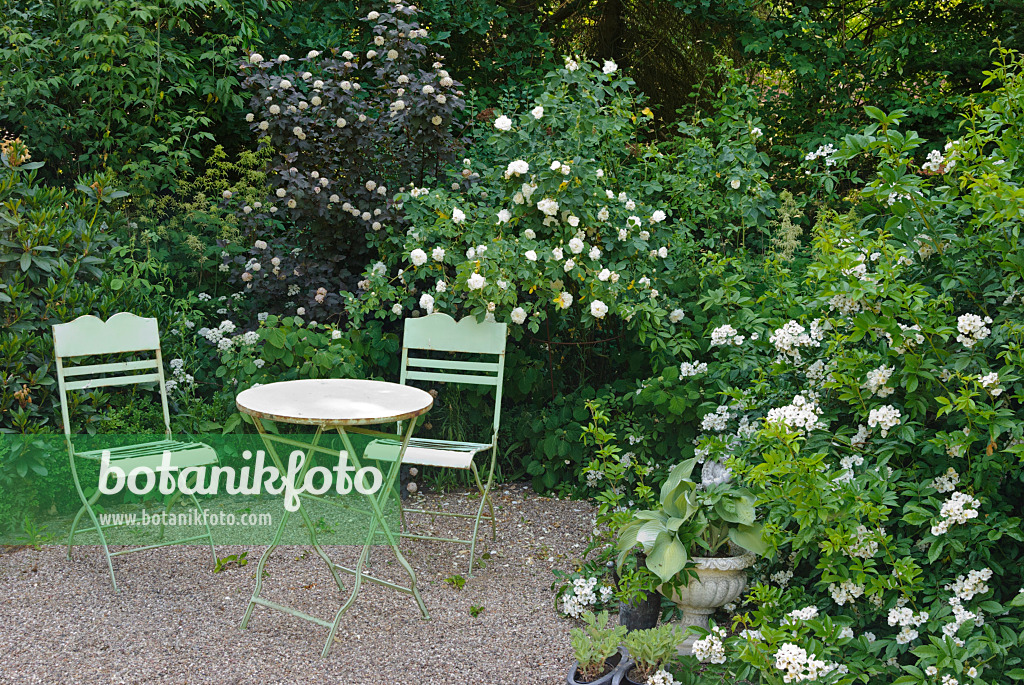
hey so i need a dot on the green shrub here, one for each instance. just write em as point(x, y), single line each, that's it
point(53, 268)
point(132, 88)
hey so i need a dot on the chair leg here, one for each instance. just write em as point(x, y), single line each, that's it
point(209, 533)
point(170, 503)
point(74, 524)
point(87, 503)
point(484, 499)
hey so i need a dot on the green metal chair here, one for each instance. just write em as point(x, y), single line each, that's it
point(89, 336)
point(441, 333)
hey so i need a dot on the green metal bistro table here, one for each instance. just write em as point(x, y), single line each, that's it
point(345, 406)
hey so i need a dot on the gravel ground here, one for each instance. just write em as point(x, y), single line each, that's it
point(174, 621)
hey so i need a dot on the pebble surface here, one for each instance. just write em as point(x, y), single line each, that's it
point(175, 621)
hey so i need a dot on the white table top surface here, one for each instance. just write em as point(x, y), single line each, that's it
point(334, 402)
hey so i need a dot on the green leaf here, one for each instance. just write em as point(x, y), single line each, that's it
point(749, 537)
point(667, 558)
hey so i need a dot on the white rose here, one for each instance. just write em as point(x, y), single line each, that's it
point(458, 216)
point(735, 183)
point(518, 315)
point(576, 245)
point(504, 216)
point(531, 255)
point(598, 309)
point(530, 233)
point(604, 275)
point(418, 257)
point(503, 123)
point(475, 282)
point(609, 67)
point(537, 112)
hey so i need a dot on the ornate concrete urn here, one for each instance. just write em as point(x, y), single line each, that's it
point(720, 580)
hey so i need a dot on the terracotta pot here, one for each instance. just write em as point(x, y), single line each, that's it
point(719, 581)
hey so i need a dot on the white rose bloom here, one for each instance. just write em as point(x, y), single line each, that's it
point(556, 165)
point(537, 112)
point(557, 253)
point(503, 123)
point(418, 257)
point(427, 302)
point(564, 300)
point(604, 275)
point(594, 253)
point(677, 315)
point(530, 234)
point(599, 173)
point(441, 286)
point(518, 314)
point(576, 245)
point(475, 282)
point(531, 255)
point(566, 169)
point(735, 183)
point(504, 216)
point(630, 206)
point(602, 215)
point(658, 216)
point(458, 216)
point(663, 252)
point(609, 67)
point(397, 309)
point(574, 221)
point(548, 206)
point(437, 253)
point(569, 265)
point(598, 309)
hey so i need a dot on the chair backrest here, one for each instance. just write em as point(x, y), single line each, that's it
point(441, 333)
point(89, 336)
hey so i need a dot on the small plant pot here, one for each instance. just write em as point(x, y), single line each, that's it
point(643, 614)
point(720, 580)
point(615, 667)
point(626, 680)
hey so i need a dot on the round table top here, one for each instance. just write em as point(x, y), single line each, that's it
point(334, 402)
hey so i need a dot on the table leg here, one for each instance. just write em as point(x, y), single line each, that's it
point(378, 519)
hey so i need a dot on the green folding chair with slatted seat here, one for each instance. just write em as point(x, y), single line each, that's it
point(89, 336)
point(468, 337)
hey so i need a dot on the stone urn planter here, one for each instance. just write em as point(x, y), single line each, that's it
point(720, 580)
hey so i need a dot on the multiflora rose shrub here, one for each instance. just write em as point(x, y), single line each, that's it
point(555, 227)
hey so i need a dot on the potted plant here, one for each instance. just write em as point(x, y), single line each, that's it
point(650, 651)
point(699, 542)
point(599, 658)
point(637, 592)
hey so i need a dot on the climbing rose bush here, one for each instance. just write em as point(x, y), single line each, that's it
point(557, 227)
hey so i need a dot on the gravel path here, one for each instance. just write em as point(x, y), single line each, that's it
point(174, 621)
